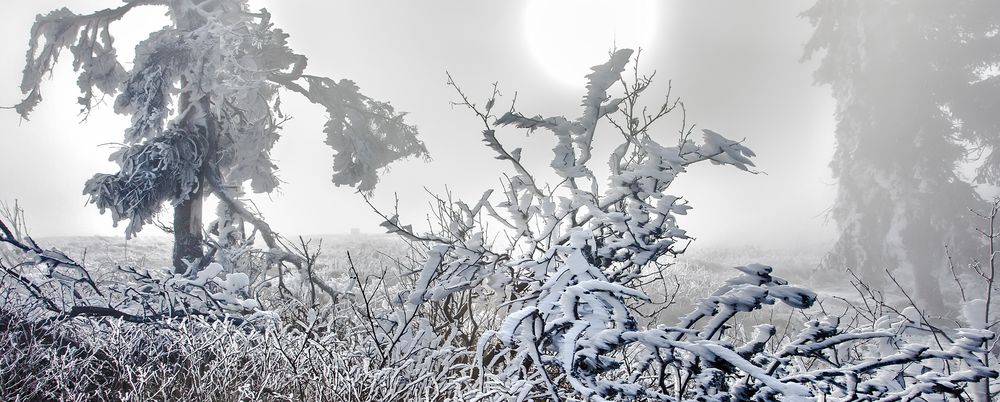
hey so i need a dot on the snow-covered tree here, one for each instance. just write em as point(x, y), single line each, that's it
point(908, 77)
point(203, 95)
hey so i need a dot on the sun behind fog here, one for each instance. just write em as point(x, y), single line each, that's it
point(566, 37)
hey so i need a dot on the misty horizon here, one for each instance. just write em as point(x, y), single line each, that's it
point(749, 86)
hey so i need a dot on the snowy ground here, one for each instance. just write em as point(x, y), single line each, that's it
point(699, 272)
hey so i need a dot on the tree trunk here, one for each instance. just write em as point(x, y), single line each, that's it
point(188, 214)
point(188, 233)
point(187, 217)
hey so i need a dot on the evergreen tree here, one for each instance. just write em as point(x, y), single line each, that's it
point(203, 96)
point(901, 72)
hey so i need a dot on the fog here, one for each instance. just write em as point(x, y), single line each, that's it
point(561, 200)
point(736, 65)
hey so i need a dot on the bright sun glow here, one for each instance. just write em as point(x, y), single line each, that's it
point(569, 36)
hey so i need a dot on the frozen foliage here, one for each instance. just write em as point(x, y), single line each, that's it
point(535, 295)
point(198, 359)
point(580, 329)
point(58, 286)
point(203, 95)
point(570, 263)
point(167, 164)
point(71, 331)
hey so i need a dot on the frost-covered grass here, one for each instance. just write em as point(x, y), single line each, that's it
point(194, 359)
point(325, 352)
point(568, 290)
point(303, 352)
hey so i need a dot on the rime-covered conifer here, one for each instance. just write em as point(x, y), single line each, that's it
point(203, 95)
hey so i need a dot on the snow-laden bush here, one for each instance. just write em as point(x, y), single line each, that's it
point(549, 301)
point(69, 331)
point(56, 285)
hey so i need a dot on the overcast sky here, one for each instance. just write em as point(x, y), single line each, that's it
point(735, 63)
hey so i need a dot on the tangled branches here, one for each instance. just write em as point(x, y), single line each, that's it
point(567, 269)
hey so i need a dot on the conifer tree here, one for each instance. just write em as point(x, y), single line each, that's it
point(905, 75)
point(203, 95)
